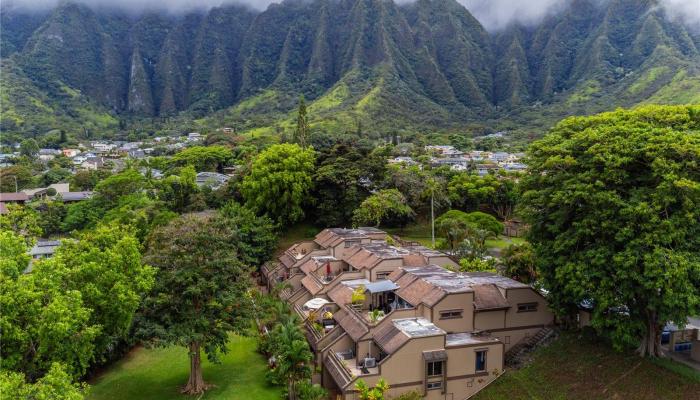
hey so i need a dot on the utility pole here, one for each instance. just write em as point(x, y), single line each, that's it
point(432, 212)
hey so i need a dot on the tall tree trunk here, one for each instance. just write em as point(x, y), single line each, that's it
point(651, 341)
point(195, 384)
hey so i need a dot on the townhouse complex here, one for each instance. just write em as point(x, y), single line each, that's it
point(374, 309)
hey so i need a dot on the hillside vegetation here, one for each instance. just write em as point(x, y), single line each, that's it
point(367, 65)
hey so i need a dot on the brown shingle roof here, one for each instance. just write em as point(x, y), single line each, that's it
point(353, 326)
point(488, 297)
point(311, 284)
point(414, 260)
point(389, 337)
point(340, 295)
point(336, 369)
point(287, 260)
point(14, 196)
point(417, 291)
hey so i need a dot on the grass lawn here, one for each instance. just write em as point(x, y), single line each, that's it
point(418, 232)
point(502, 242)
point(574, 368)
point(154, 374)
point(296, 233)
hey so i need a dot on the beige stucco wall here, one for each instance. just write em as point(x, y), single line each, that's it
point(543, 315)
point(443, 261)
point(457, 301)
point(384, 267)
point(462, 360)
point(487, 320)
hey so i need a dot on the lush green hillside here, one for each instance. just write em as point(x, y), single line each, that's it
point(575, 367)
point(391, 68)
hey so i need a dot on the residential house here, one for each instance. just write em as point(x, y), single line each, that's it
point(71, 197)
point(93, 162)
point(70, 153)
point(136, 154)
point(10, 197)
point(100, 147)
point(42, 249)
point(444, 151)
point(372, 309)
point(402, 160)
point(213, 180)
point(194, 136)
point(42, 192)
point(48, 154)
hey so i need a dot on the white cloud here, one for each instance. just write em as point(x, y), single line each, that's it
point(141, 5)
point(686, 10)
point(496, 14)
point(493, 14)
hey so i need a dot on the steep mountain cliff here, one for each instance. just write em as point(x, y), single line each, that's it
point(426, 64)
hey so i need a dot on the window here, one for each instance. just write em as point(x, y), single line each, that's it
point(480, 360)
point(450, 314)
point(527, 307)
point(435, 368)
point(350, 243)
point(382, 275)
point(434, 385)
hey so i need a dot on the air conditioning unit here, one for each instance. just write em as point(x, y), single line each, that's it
point(370, 362)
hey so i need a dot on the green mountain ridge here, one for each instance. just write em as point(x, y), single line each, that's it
point(424, 65)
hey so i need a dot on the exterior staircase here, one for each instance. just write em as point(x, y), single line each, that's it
point(514, 356)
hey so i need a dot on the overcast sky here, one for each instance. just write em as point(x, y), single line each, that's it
point(493, 14)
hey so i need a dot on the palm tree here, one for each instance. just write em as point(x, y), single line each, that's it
point(293, 356)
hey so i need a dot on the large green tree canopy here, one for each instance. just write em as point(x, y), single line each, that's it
point(614, 203)
point(279, 182)
point(201, 288)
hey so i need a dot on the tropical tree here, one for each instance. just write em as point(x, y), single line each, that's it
point(210, 158)
point(454, 230)
point(57, 384)
point(29, 148)
point(201, 288)
point(344, 178)
point(519, 262)
point(23, 221)
point(256, 235)
point(302, 129)
point(13, 254)
point(42, 322)
point(614, 203)
point(387, 205)
point(105, 266)
point(109, 190)
point(372, 393)
point(468, 191)
point(279, 182)
point(477, 265)
point(293, 357)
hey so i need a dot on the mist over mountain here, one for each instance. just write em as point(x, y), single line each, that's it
point(426, 63)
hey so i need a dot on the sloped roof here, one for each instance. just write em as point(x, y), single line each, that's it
point(488, 297)
point(389, 338)
point(311, 284)
point(287, 260)
point(340, 294)
point(14, 196)
point(353, 326)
